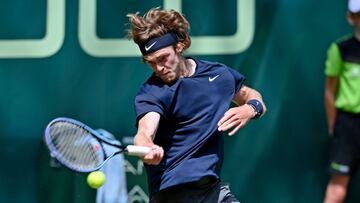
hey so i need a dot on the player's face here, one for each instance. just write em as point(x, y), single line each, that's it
point(165, 63)
point(354, 19)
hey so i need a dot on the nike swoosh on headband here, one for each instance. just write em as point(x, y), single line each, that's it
point(147, 48)
point(157, 43)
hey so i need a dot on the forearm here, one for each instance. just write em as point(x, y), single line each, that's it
point(330, 110)
point(330, 92)
point(255, 95)
point(142, 139)
point(247, 95)
point(147, 127)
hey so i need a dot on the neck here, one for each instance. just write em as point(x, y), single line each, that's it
point(357, 35)
point(187, 67)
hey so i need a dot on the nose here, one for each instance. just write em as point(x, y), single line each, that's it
point(159, 68)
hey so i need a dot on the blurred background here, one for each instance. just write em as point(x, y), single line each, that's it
point(71, 58)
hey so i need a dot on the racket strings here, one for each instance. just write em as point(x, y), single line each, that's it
point(76, 146)
point(79, 151)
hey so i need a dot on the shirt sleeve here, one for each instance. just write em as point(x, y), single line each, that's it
point(238, 77)
point(333, 62)
point(145, 103)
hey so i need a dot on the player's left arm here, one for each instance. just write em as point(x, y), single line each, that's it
point(250, 105)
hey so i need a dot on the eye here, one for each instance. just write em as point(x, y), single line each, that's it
point(163, 59)
point(151, 63)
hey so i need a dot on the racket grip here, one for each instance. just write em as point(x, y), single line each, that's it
point(137, 150)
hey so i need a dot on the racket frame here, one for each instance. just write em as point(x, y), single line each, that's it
point(100, 138)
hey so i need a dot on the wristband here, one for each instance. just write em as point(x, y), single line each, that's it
point(258, 108)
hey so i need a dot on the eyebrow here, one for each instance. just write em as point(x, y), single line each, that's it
point(156, 57)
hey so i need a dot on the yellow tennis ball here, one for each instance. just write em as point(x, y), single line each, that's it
point(96, 179)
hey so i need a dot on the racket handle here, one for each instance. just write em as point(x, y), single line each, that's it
point(137, 150)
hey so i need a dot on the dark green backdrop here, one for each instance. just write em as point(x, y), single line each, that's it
point(280, 158)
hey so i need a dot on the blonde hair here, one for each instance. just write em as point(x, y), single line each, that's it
point(157, 22)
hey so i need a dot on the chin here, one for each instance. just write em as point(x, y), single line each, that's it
point(168, 79)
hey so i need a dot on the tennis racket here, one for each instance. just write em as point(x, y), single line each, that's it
point(80, 148)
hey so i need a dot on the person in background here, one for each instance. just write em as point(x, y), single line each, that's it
point(342, 102)
point(114, 189)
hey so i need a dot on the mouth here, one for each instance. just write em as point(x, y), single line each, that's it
point(163, 74)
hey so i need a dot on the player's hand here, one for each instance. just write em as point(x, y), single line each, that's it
point(235, 118)
point(154, 156)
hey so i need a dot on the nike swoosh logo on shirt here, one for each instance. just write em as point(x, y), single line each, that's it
point(149, 47)
point(213, 78)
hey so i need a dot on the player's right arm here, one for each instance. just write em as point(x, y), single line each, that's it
point(147, 127)
point(330, 93)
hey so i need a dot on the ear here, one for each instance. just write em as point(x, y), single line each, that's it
point(179, 47)
point(350, 18)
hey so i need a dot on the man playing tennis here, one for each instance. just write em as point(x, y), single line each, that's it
point(182, 110)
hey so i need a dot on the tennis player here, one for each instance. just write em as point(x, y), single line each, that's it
point(183, 109)
point(342, 99)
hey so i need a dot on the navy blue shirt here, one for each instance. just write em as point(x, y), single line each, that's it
point(190, 109)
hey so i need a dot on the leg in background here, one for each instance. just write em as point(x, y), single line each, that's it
point(336, 189)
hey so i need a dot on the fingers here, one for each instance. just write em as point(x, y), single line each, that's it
point(234, 118)
point(235, 126)
point(235, 129)
point(226, 117)
point(228, 125)
point(155, 156)
point(229, 120)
